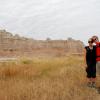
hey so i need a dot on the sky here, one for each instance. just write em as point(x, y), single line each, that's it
point(56, 19)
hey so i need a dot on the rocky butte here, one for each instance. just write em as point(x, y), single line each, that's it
point(14, 45)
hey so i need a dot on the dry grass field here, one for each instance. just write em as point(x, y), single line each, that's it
point(45, 78)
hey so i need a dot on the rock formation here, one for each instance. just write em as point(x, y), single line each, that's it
point(12, 43)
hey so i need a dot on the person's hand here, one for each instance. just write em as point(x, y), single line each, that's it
point(85, 66)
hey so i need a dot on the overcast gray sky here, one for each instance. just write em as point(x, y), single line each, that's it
point(57, 19)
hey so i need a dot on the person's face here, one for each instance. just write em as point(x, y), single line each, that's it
point(90, 43)
point(96, 40)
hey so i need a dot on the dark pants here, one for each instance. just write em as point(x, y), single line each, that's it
point(91, 70)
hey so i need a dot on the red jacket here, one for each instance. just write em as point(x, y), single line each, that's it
point(98, 51)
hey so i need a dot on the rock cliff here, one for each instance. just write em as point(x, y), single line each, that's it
point(15, 43)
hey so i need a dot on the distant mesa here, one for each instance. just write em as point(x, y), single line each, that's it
point(15, 43)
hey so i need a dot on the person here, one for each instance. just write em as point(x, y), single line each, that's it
point(90, 61)
point(97, 42)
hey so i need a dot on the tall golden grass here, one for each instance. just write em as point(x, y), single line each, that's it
point(59, 78)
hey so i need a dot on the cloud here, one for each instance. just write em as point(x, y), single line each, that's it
point(51, 18)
